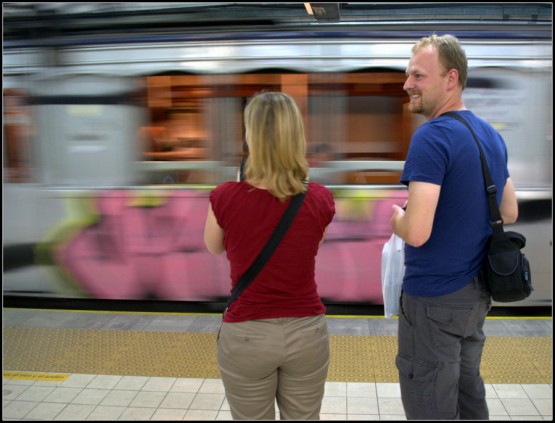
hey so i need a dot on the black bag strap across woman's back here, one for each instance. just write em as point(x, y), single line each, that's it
point(269, 248)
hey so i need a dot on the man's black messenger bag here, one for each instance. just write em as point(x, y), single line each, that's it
point(506, 270)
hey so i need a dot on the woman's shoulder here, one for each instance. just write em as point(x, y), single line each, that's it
point(226, 189)
point(228, 186)
point(322, 201)
point(320, 191)
point(317, 187)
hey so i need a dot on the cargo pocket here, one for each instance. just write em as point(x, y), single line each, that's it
point(418, 387)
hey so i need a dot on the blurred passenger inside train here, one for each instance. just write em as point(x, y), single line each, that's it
point(173, 136)
point(273, 345)
point(446, 226)
point(319, 154)
point(320, 157)
point(17, 137)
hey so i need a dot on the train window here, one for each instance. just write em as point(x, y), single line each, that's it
point(196, 123)
point(360, 117)
point(18, 130)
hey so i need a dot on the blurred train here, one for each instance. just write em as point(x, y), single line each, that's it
point(112, 144)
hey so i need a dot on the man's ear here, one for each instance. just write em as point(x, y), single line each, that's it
point(452, 79)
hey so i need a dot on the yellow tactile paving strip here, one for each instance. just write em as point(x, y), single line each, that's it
point(40, 376)
point(519, 360)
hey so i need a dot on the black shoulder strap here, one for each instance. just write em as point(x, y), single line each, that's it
point(269, 248)
point(491, 189)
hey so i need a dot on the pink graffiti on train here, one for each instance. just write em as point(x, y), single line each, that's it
point(143, 245)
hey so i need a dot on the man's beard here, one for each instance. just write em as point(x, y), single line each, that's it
point(416, 106)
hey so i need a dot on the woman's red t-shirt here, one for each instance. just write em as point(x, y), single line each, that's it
point(286, 286)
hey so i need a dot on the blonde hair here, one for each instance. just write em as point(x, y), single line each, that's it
point(277, 144)
point(451, 54)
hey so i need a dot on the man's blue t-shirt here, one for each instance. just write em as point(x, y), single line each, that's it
point(443, 152)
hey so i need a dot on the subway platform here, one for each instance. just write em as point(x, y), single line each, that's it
point(106, 365)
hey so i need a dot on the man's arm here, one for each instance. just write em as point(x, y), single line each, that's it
point(414, 225)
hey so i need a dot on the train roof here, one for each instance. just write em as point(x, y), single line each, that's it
point(56, 23)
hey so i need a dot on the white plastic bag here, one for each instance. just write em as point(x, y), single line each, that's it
point(393, 270)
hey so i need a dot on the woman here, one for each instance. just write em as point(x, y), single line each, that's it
point(273, 344)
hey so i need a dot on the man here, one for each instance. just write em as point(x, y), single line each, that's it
point(445, 225)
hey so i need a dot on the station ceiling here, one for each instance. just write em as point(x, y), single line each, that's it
point(30, 20)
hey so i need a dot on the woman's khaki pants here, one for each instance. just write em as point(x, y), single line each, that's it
point(283, 361)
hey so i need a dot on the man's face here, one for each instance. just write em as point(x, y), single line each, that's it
point(426, 82)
